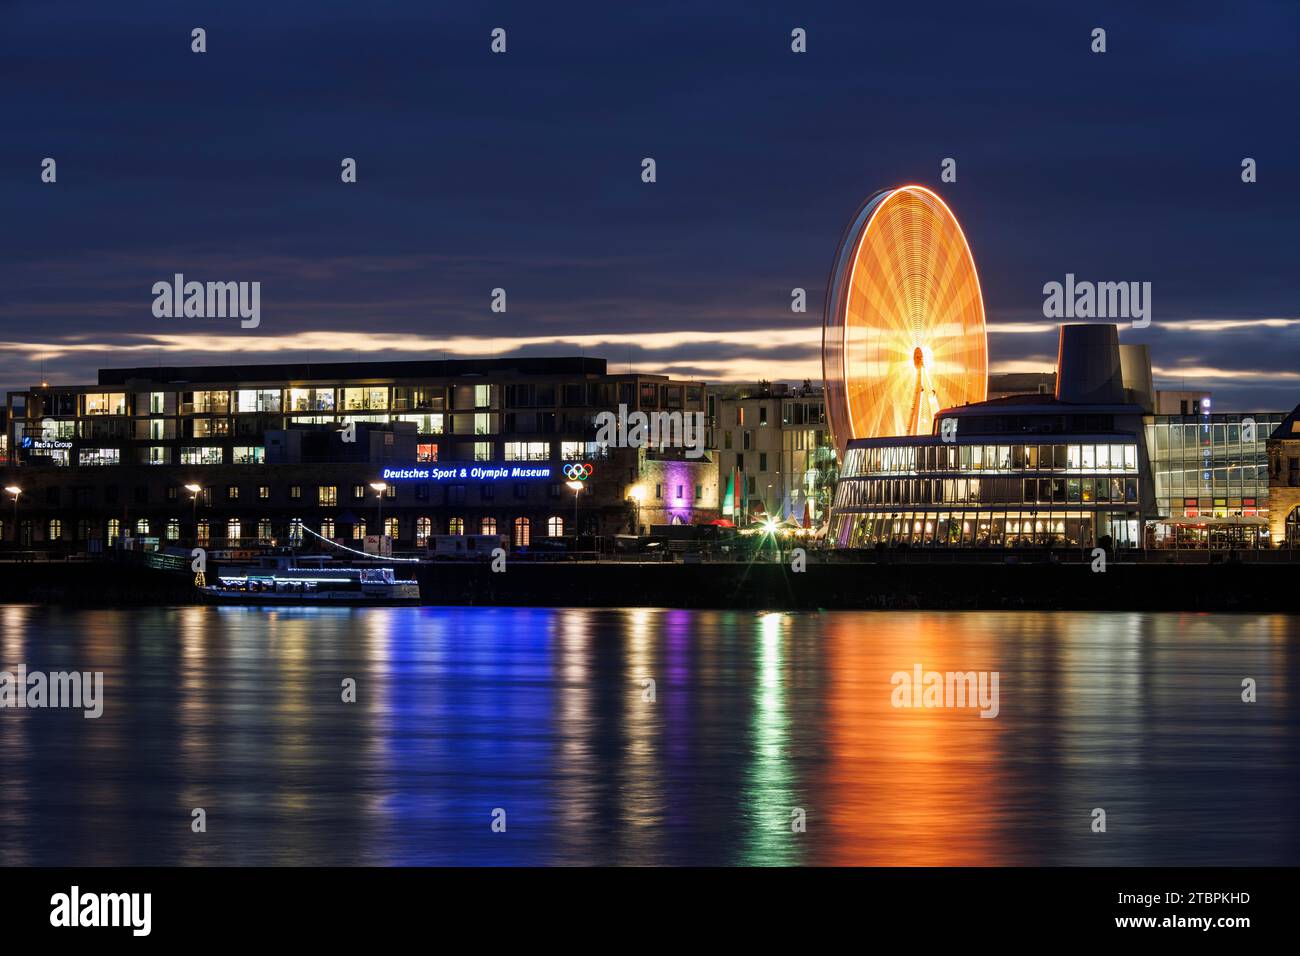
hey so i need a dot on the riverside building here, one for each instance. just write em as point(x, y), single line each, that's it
point(1090, 464)
point(241, 456)
point(774, 450)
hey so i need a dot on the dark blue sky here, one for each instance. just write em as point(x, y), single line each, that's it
point(523, 171)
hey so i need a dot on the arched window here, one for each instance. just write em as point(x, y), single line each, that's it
point(295, 531)
point(114, 531)
point(173, 529)
point(456, 526)
point(359, 531)
point(390, 527)
point(523, 531)
point(142, 526)
point(1293, 528)
point(488, 526)
point(555, 526)
point(203, 531)
point(55, 529)
point(423, 530)
point(327, 528)
point(234, 530)
point(264, 530)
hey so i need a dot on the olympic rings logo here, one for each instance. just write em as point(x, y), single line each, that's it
point(578, 471)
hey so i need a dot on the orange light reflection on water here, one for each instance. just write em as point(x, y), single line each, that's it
point(906, 786)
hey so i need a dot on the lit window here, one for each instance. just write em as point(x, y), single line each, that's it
point(523, 531)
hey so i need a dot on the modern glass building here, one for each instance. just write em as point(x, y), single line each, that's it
point(1090, 465)
point(1210, 475)
point(1025, 471)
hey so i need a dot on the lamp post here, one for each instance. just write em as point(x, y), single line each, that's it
point(577, 489)
point(380, 487)
point(194, 514)
point(15, 491)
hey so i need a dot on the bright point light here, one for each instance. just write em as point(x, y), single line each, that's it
point(379, 485)
point(769, 526)
point(574, 485)
point(13, 489)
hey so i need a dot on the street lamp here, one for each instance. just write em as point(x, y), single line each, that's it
point(577, 488)
point(380, 487)
point(194, 492)
point(15, 491)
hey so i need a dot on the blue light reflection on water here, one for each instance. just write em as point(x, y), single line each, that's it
point(548, 715)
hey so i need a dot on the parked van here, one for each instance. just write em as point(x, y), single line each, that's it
point(467, 547)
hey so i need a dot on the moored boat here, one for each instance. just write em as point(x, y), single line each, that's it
point(318, 586)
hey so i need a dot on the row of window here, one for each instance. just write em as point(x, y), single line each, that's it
point(324, 495)
point(1237, 479)
point(436, 398)
point(1197, 507)
point(235, 528)
point(858, 493)
point(1002, 458)
point(256, 454)
point(1233, 437)
point(988, 529)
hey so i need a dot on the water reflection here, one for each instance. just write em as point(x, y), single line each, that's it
point(549, 716)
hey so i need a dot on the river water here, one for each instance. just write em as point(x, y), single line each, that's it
point(765, 738)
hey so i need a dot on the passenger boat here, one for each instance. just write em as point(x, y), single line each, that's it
point(311, 586)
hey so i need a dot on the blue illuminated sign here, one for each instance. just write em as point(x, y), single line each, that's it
point(481, 471)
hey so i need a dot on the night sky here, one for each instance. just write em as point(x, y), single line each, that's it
point(522, 171)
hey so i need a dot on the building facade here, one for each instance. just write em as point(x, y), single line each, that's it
point(1017, 473)
point(774, 450)
point(278, 453)
point(1092, 464)
point(1284, 481)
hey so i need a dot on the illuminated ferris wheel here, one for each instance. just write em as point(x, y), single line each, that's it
point(903, 335)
